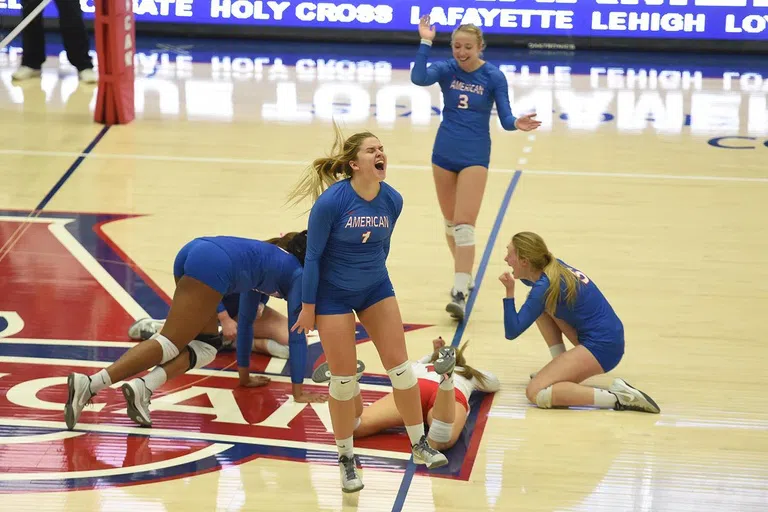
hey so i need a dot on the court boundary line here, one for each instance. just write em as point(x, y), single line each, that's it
point(301, 163)
point(410, 468)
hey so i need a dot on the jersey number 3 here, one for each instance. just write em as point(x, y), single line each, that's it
point(366, 235)
point(463, 101)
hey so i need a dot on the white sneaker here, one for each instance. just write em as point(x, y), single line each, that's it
point(457, 305)
point(25, 73)
point(632, 399)
point(425, 454)
point(144, 328)
point(137, 398)
point(88, 76)
point(79, 395)
point(350, 478)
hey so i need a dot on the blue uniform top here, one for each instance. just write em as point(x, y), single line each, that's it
point(348, 238)
point(468, 97)
point(260, 270)
point(591, 314)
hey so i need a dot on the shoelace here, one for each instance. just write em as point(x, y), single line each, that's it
point(349, 468)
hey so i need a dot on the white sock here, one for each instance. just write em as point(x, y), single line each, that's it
point(155, 378)
point(461, 282)
point(415, 432)
point(556, 350)
point(345, 447)
point(604, 399)
point(357, 389)
point(276, 349)
point(446, 382)
point(100, 381)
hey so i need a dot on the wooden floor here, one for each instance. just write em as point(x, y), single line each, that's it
point(672, 228)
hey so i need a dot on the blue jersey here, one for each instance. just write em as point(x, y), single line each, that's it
point(591, 314)
point(348, 238)
point(260, 270)
point(468, 97)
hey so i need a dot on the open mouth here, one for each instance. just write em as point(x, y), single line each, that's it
point(379, 165)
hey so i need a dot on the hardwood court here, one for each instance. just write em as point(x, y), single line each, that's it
point(671, 226)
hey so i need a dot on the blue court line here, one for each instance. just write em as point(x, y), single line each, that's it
point(71, 170)
point(410, 469)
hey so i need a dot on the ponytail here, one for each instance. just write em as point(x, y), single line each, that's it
point(293, 243)
point(557, 274)
point(326, 171)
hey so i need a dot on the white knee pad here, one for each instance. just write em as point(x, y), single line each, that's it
point(200, 354)
point(464, 234)
point(402, 376)
point(342, 388)
point(448, 227)
point(544, 398)
point(440, 431)
point(170, 350)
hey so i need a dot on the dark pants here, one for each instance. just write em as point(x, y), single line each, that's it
point(73, 33)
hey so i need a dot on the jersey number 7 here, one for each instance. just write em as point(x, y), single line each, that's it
point(366, 235)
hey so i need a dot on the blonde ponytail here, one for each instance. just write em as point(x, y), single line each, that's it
point(326, 171)
point(531, 247)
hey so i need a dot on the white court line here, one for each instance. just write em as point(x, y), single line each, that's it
point(57, 227)
point(39, 438)
point(70, 343)
point(201, 436)
point(302, 164)
point(50, 361)
point(204, 453)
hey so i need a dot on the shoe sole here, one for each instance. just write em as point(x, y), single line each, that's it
point(456, 311)
point(442, 368)
point(322, 374)
point(133, 412)
point(434, 465)
point(647, 398)
point(69, 411)
point(350, 491)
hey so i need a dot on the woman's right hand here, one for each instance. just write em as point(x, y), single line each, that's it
point(426, 31)
point(306, 320)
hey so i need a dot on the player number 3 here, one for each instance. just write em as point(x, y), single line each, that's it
point(463, 101)
point(366, 235)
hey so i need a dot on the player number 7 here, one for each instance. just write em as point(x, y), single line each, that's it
point(366, 235)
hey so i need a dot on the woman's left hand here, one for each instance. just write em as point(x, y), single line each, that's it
point(527, 123)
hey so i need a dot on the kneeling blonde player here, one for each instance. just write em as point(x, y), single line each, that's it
point(446, 382)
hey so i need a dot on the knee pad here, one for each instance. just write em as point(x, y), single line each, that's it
point(544, 398)
point(200, 354)
point(464, 234)
point(358, 421)
point(402, 376)
point(342, 388)
point(448, 227)
point(170, 350)
point(440, 431)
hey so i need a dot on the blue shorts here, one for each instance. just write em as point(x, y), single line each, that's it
point(455, 155)
point(206, 262)
point(335, 301)
point(607, 353)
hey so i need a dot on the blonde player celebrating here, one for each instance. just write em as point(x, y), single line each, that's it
point(563, 300)
point(462, 149)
